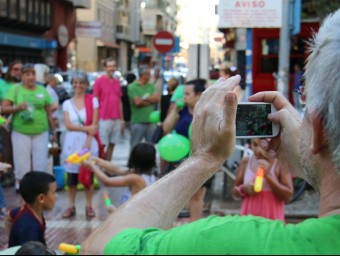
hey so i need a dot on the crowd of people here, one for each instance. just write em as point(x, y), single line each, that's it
point(309, 147)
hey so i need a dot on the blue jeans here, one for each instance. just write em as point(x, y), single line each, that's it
point(2, 198)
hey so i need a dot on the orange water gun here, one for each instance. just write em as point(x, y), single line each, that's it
point(259, 179)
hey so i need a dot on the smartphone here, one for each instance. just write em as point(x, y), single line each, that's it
point(252, 120)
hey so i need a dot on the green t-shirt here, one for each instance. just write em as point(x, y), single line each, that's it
point(140, 114)
point(4, 87)
point(233, 235)
point(34, 120)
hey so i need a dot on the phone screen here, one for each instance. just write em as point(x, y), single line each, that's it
point(252, 120)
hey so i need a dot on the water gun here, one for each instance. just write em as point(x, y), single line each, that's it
point(79, 157)
point(107, 199)
point(259, 179)
point(70, 249)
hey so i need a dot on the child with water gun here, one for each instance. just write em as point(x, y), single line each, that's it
point(263, 185)
point(135, 177)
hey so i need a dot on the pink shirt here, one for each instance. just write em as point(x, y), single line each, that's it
point(108, 92)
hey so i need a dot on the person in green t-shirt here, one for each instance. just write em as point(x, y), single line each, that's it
point(30, 105)
point(142, 96)
point(310, 148)
point(12, 77)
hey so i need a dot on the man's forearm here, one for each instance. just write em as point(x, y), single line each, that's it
point(157, 206)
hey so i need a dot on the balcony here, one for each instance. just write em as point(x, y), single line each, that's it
point(83, 4)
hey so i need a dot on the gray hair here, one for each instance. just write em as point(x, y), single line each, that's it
point(80, 76)
point(323, 80)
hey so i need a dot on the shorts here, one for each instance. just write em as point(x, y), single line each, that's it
point(109, 131)
point(72, 179)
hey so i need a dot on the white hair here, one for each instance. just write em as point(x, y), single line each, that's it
point(40, 71)
point(323, 80)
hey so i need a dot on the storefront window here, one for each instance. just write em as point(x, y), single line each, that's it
point(269, 56)
point(270, 46)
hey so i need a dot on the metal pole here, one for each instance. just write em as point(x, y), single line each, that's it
point(198, 60)
point(162, 72)
point(249, 62)
point(283, 75)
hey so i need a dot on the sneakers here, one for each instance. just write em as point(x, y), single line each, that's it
point(71, 211)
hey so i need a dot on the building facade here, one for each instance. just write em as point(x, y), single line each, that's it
point(157, 15)
point(37, 31)
point(91, 47)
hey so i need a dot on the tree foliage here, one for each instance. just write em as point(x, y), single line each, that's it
point(318, 8)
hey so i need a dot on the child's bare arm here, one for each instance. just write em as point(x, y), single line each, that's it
point(119, 181)
point(4, 167)
point(110, 167)
point(283, 188)
point(8, 221)
point(237, 190)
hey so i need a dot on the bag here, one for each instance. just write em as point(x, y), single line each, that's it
point(85, 176)
point(157, 135)
point(54, 149)
point(8, 124)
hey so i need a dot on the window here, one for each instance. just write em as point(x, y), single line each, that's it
point(30, 17)
point(23, 10)
point(43, 13)
point(48, 14)
point(37, 12)
point(13, 12)
point(3, 8)
point(98, 14)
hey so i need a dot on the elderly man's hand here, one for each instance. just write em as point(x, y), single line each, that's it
point(286, 145)
point(213, 132)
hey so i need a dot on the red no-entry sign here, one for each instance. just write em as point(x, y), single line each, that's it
point(163, 41)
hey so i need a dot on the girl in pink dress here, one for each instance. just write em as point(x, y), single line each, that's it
point(277, 185)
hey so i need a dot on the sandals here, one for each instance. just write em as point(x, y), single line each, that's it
point(90, 212)
point(69, 212)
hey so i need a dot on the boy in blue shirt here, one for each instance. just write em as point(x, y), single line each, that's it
point(38, 189)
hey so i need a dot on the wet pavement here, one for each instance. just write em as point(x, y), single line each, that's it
point(77, 228)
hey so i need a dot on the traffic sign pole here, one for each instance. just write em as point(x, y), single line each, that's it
point(163, 42)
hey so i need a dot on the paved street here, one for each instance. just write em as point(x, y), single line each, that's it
point(76, 229)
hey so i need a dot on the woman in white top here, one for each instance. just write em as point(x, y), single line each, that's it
point(135, 177)
point(80, 132)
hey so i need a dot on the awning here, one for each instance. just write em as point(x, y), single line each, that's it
point(144, 49)
point(8, 39)
point(101, 43)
